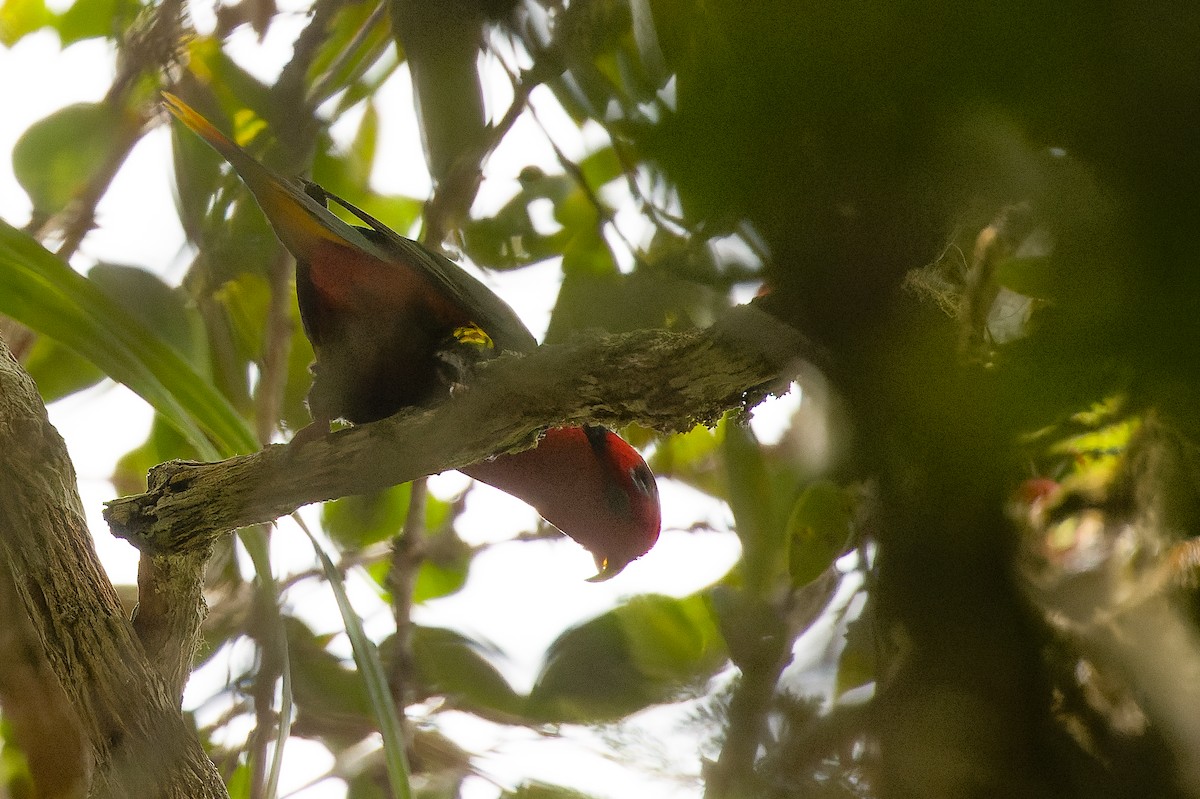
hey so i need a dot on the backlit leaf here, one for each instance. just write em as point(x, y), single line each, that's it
point(54, 163)
point(48, 296)
point(818, 531)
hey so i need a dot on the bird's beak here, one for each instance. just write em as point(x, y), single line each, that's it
point(608, 570)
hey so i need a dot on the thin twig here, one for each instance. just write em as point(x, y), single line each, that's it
point(603, 212)
point(408, 552)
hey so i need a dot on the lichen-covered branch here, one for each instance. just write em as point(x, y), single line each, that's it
point(668, 381)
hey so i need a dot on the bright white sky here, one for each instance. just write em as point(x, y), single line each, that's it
point(138, 225)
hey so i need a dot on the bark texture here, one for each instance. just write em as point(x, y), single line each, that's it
point(73, 638)
point(668, 381)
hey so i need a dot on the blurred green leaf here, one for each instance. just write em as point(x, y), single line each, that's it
point(365, 786)
point(360, 520)
point(15, 779)
point(233, 87)
point(355, 42)
point(436, 580)
point(89, 19)
point(348, 173)
point(601, 167)
point(451, 664)
point(1033, 276)
point(198, 172)
point(239, 783)
point(362, 149)
point(818, 531)
point(156, 305)
point(509, 237)
point(591, 293)
point(671, 640)
point(691, 457)
point(331, 701)
point(752, 503)
point(58, 370)
point(445, 568)
point(45, 294)
point(645, 36)
point(644, 652)
point(54, 163)
point(589, 676)
point(441, 44)
point(21, 17)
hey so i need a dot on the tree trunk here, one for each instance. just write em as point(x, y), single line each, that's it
point(92, 714)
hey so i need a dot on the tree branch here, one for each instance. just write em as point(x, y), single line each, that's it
point(668, 381)
point(138, 739)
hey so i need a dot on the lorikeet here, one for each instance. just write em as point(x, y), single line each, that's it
point(382, 311)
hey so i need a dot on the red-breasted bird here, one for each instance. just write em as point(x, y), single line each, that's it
point(382, 311)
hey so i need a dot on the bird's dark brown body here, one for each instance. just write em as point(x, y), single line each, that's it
point(380, 311)
point(376, 331)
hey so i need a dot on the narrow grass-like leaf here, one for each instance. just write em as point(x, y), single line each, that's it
point(255, 541)
point(366, 657)
point(39, 290)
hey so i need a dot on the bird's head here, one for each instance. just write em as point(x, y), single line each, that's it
point(589, 483)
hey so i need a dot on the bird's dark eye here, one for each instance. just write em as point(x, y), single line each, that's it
point(643, 480)
point(618, 500)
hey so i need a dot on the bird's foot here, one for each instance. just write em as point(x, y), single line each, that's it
point(463, 350)
point(313, 431)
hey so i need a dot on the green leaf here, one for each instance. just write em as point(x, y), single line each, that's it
point(751, 501)
point(691, 458)
point(370, 670)
point(601, 167)
point(239, 783)
point(362, 149)
point(358, 521)
point(15, 779)
point(54, 163)
point(591, 289)
point(818, 531)
point(59, 371)
point(645, 652)
point(365, 786)
point(234, 88)
point(159, 307)
point(40, 291)
point(589, 676)
point(88, 19)
point(21, 17)
point(331, 701)
point(1034, 277)
point(451, 664)
point(444, 571)
point(671, 640)
point(356, 41)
